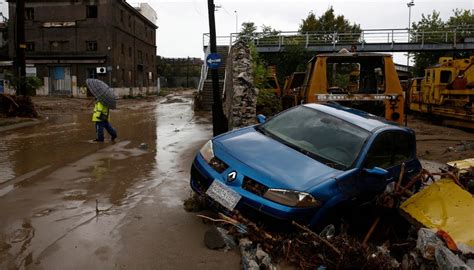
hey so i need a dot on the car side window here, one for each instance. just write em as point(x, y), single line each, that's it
point(403, 148)
point(380, 154)
point(390, 149)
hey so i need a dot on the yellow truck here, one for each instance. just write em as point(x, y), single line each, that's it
point(366, 81)
point(447, 91)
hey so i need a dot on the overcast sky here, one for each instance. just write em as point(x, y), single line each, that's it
point(182, 22)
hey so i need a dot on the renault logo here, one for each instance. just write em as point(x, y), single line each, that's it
point(231, 176)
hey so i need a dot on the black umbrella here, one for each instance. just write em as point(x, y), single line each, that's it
point(102, 92)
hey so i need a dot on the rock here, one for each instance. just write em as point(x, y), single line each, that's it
point(228, 239)
point(470, 263)
point(213, 239)
point(143, 146)
point(447, 260)
point(264, 259)
point(427, 243)
point(248, 251)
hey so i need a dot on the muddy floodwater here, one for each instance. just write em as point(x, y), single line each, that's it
point(69, 203)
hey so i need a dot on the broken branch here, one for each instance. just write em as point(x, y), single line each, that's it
point(335, 249)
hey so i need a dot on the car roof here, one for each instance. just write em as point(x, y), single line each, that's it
point(359, 118)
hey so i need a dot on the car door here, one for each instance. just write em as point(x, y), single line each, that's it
point(389, 150)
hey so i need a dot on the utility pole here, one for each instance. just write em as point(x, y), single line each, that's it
point(409, 5)
point(219, 123)
point(20, 47)
point(236, 21)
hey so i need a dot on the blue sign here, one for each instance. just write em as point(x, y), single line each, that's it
point(214, 60)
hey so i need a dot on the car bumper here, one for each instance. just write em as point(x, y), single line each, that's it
point(251, 205)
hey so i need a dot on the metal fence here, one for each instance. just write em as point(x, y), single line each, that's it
point(451, 36)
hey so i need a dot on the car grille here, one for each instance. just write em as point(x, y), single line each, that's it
point(200, 181)
point(218, 165)
point(253, 186)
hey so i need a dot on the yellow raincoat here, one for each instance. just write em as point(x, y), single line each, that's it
point(101, 112)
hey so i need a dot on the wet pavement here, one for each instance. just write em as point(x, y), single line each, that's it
point(69, 203)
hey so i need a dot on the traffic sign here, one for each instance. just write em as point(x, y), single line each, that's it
point(214, 60)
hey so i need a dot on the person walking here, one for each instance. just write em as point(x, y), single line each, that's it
point(101, 117)
point(104, 101)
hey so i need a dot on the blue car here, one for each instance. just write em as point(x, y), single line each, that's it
point(304, 163)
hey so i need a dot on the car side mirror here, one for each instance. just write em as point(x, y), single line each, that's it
point(377, 171)
point(261, 118)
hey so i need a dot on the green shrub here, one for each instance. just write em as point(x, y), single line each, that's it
point(268, 103)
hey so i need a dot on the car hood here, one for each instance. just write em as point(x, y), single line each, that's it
point(275, 164)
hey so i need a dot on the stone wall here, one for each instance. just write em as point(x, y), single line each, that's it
point(240, 98)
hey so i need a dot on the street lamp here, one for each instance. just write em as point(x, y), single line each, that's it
point(236, 21)
point(409, 5)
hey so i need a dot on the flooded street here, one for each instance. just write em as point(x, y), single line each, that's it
point(69, 203)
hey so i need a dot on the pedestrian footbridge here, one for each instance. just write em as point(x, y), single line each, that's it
point(369, 40)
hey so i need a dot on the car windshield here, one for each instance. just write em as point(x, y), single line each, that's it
point(326, 138)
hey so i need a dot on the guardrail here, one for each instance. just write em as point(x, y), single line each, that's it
point(451, 36)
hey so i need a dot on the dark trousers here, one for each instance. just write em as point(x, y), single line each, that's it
point(99, 128)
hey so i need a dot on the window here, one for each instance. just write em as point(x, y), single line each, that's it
point(130, 51)
point(121, 16)
point(129, 20)
point(91, 46)
point(59, 46)
point(30, 46)
point(140, 56)
point(445, 76)
point(428, 75)
point(91, 73)
point(29, 14)
point(123, 77)
point(325, 138)
point(122, 48)
point(390, 149)
point(91, 11)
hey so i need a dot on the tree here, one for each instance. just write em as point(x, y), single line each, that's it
point(248, 32)
point(329, 23)
point(433, 23)
point(269, 31)
point(310, 24)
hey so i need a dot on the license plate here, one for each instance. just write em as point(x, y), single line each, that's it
point(223, 195)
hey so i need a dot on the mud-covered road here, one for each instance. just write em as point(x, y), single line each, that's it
point(53, 179)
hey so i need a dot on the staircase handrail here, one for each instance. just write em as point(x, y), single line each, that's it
point(204, 70)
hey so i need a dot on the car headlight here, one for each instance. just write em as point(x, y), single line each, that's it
point(207, 152)
point(291, 198)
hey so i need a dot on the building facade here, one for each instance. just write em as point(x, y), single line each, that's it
point(68, 41)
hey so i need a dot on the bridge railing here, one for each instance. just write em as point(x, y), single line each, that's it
point(368, 36)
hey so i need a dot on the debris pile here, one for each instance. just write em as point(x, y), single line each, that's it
point(464, 170)
point(17, 106)
point(424, 246)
